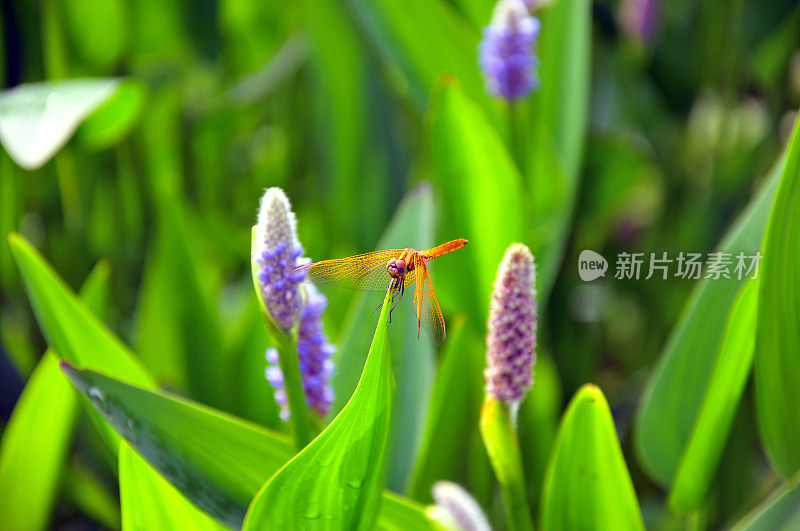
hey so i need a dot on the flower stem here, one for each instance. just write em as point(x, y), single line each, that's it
point(295, 395)
point(502, 447)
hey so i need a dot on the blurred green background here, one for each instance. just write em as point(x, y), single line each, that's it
point(660, 140)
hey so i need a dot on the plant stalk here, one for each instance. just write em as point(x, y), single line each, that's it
point(502, 447)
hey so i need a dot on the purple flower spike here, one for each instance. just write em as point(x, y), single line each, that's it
point(314, 351)
point(512, 327)
point(276, 253)
point(506, 51)
point(640, 18)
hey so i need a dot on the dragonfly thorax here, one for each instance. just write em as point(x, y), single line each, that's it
point(398, 267)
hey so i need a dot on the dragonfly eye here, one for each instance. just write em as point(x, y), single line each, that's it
point(391, 267)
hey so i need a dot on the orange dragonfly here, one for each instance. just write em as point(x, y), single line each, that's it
point(391, 269)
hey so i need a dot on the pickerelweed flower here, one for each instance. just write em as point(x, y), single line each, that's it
point(640, 18)
point(456, 509)
point(506, 52)
point(315, 354)
point(276, 253)
point(511, 339)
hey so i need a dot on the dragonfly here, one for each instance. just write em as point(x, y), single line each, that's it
point(390, 269)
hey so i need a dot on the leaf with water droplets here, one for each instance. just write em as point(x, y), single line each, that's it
point(345, 493)
point(36, 120)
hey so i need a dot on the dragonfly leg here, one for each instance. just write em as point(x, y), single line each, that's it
point(393, 289)
point(402, 291)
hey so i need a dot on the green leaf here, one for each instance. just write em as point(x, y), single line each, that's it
point(725, 388)
point(482, 196)
point(337, 479)
point(673, 395)
point(218, 461)
point(37, 438)
point(424, 38)
point(73, 331)
point(36, 120)
point(150, 502)
point(777, 360)
point(587, 485)
point(781, 510)
point(116, 118)
point(68, 325)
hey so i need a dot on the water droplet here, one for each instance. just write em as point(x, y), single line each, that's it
point(98, 398)
point(312, 512)
point(328, 461)
point(133, 430)
point(355, 483)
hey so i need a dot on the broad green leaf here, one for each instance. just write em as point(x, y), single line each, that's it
point(213, 458)
point(777, 360)
point(37, 438)
point(424, 38)
point(780, 511)
point(673, 395)
point(216, 460)
point(69, 327)
point(36, 120)
point(114, 119)
point(72, 330)
point(444, 448)
point(725, 388)
point(587, 485)
point(411, 226)
point(336, 480)
point(398, 514)
point(482, 196)
point(150, 502)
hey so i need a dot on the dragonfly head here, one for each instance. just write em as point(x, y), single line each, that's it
point(397, 268)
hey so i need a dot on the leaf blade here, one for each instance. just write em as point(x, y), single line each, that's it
point(587, 484)
point(339, 475)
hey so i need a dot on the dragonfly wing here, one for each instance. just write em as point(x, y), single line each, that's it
point(427, 307)
point(365, 272)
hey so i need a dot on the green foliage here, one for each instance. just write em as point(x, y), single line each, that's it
point(483, 198)
point(725, 388)
point(36, 440)
point(375, 119)
point(673, 398)
point(587, 485)
point(335, 482)
point(777, 362)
